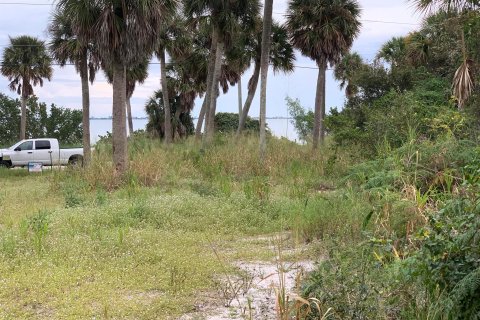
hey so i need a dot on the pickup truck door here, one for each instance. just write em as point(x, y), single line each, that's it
point(22, 154)
point(44, 153)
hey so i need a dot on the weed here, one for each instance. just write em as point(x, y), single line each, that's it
point(72, 195)
point(38, 225)
point(178, 276)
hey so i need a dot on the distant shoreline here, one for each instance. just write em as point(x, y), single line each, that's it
point(110, 118)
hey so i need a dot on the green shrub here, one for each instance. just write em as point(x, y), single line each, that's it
point(448, 262)
point(228, 122)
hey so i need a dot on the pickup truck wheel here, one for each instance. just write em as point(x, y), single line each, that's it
point(5, 164)
point(75, 161)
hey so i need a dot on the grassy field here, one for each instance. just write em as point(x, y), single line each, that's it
point(85, 244)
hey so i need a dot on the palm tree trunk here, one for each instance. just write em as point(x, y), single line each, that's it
point(166, 101)
point(23, 116)
point(318, 128)
point(129, 115)
point(252, 89)
point(240, 101)
point(214, 92)
point(119, 121)
point(201, 117)
point(211, 88)
point(267, 30)
point(85, 110)
point(178, 127)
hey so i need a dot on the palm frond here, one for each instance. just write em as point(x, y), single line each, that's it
point(463, 83)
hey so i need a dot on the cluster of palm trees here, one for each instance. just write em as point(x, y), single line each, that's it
point(210, 44)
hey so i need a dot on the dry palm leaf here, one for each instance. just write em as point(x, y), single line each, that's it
point(463, 83)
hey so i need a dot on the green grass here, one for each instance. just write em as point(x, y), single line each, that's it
point(80, 244)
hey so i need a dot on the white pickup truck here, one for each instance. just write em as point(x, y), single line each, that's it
point(44, 151)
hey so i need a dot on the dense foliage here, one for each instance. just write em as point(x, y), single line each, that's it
point(182, 121)
point(43, 122)
point(228, 122)
point(416, 252)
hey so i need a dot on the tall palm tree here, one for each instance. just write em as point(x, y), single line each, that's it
point(174, 40)
point(264, 60)
point(134, 73)
point(323, 30)
point(124, 33)
point(224, 16)
point(68, 47)
point(26, 63)
point(345, 70)
point(281, 58)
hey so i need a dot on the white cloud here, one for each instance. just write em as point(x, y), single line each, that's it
point(65, 88)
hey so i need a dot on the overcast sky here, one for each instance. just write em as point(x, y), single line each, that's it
point(64, 89)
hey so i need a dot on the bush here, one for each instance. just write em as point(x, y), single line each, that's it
point(228, 122)
point(448, 262)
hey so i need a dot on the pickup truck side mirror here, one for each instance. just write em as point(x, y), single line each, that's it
point(17, 149)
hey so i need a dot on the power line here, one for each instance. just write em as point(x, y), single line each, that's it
point(280, 13)
point(176, 63)
point(26, 3)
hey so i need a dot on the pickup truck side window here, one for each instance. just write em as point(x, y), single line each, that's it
point(42, 145)
point(27, 145)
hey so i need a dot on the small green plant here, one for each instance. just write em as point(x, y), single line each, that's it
point(101, 197)
point(72, 195)
point(38, 226)
point(257, 188)
point(8, 245)
point(178, 276)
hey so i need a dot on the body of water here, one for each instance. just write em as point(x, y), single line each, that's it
point(279, 127)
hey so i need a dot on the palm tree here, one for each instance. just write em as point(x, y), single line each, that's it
point(135, 73)
point(323, 30)
point(224, 16)
point(393, 51)
point(266, 41)
point(174, 40)
point(124, 33)
point(26, 63)
point(69, 47)
point(345, 71)
point(281, 58)
point(446, 5)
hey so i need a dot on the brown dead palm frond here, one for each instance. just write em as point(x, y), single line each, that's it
point(463, 83)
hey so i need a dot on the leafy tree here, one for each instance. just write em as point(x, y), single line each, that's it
point(46, 122)
point(324, 31)
point(302, 119)
point(73, 44)
point(9, 120)
point(226, 122)
point(25, 63)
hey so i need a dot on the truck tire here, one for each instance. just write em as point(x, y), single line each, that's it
point(75, 161)
point(5, 164)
